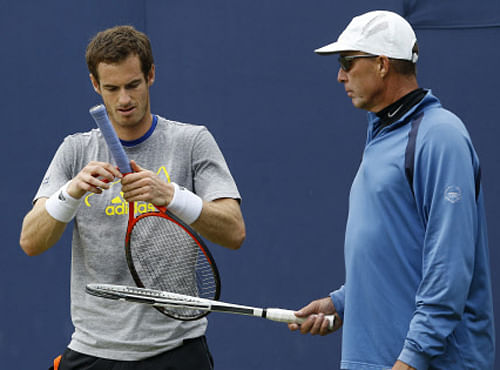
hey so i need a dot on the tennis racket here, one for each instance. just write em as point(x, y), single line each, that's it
point(163, 252)
point(164, 299)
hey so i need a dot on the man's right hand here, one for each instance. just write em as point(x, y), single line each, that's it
point(316, 322)
point(94, 177)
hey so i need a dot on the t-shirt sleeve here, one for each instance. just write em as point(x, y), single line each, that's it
point(212, 178)
point(59, 171)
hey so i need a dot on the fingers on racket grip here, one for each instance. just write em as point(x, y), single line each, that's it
point(288, 316)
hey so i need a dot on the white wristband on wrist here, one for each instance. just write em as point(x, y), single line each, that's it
point(185, 204)
point(61, 205)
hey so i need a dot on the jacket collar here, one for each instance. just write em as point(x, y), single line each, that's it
point(428, 100)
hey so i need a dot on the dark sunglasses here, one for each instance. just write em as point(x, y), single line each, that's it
point(346, 61)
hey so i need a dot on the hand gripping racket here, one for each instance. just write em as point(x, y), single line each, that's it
point(163, 252)
point(170, 300)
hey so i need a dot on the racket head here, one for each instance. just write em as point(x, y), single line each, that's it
point(144, 295)
point(165, 254)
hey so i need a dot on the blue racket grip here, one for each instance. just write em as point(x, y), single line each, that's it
point(115, 146)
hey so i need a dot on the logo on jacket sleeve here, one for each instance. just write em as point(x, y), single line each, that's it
point(453, 194)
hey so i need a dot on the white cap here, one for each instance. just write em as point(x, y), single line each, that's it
point(379, 32)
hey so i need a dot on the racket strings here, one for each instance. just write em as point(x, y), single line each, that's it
point(166, 257)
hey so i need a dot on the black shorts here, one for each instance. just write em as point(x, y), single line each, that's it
point(193, 354)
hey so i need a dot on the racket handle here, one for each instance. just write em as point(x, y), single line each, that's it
point(288, 316)
point(115, 146)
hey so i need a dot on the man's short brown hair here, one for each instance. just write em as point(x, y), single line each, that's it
point(116, 44)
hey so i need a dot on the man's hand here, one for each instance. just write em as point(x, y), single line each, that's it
point(316, 323)
point(144, 185)
point(399, 365)
point(94, 177)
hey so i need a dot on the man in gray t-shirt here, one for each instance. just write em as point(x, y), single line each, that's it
point(163, 153)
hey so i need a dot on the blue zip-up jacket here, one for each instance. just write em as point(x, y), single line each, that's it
point(418, 285)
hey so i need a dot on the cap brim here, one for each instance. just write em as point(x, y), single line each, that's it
point(334, 47)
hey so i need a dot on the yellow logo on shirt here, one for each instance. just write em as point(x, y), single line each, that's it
point(119, 206)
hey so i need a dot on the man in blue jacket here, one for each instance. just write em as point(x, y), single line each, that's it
point(417, 291)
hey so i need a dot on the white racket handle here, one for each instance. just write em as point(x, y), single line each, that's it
point(288, 316)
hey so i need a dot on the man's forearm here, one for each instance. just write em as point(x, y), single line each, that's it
point(40, 231)
point(221, 222)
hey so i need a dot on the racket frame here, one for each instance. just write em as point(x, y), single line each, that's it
point(159, 298)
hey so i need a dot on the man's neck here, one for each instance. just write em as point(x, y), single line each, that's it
point(134, 132)
point(394, 89)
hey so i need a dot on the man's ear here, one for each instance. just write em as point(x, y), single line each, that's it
point(151, 75)
point(95, 84)
point(383, 65)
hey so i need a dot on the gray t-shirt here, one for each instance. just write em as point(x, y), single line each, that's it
point(183, 153)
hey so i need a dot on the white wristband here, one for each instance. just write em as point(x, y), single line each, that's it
point(185, 204)
point(61, 205)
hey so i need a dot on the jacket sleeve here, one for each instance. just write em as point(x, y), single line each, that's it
point(338, 299)
point(444, 185)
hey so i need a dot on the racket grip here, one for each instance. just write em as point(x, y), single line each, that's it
point(115, 146)
point(288, 316)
